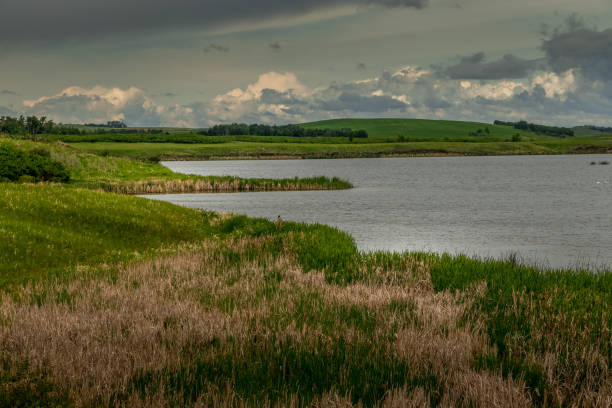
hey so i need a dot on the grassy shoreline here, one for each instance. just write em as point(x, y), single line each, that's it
point(133, 176)
point(113, 300)
point(268, 150)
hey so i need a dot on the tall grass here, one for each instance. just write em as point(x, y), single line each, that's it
point(550, 327)
point(253, 313)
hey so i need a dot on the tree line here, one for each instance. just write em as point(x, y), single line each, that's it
point(243, 129)
point(113, 124)
point(541, 129)
point(32, 126)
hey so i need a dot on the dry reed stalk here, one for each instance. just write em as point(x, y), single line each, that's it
point(158, 186)
point(93, 334)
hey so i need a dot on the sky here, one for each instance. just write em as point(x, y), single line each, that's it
point(196, 63)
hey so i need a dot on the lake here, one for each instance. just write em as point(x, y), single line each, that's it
point(551, 210)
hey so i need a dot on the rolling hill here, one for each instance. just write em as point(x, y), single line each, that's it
point(418, 128)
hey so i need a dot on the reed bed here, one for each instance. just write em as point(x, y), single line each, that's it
point(218, 185)
point(254, 318)
point(199, 329)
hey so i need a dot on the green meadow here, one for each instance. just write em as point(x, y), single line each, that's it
point(111, 300)
point(418, 128)
point(387, 137)
point(344, 149)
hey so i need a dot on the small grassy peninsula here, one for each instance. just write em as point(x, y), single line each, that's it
point(24, 160)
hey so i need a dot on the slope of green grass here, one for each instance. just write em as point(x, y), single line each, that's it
point(46, 229)
point(418, 128)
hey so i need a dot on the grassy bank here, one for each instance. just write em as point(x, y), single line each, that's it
point(314, 150)
point(156, 305)
point(133, 176)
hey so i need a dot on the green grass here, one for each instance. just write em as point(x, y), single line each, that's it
point(293, 335)
point(47, 229)
point(173, 151)
point(274, 311)
point(131, 175)
point(528, 311)
point(418, 128)
point(53, 229)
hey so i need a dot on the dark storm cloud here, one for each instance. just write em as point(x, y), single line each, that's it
point(216, 47)
point(270, 96)
point(46, 21)
point(586, 49)
point(348, 101)
point(475, 67)
point(400, 3)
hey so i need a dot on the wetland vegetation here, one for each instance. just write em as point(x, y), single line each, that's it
point(151, 304)
point(112, 300)
point(125, 175)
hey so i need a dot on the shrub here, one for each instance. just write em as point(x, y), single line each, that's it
point(32, 166)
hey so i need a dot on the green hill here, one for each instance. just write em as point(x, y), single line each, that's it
point(419, 128)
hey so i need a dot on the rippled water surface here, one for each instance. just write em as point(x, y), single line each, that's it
point(554, 210)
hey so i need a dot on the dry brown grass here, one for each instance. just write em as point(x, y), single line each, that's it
point(161, 186)
point(92, 335)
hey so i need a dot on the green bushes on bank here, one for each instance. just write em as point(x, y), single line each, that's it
point(30, 166)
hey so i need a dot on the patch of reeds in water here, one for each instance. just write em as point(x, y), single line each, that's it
point(218, 185)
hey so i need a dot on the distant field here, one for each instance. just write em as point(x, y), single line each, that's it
point(254, 150)
point(417, 128)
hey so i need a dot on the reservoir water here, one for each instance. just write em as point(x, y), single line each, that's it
point(551, 210)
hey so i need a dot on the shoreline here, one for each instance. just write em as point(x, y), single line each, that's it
point(354, 155)
point(332, 156)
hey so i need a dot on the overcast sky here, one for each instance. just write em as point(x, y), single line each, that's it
point(200, 62)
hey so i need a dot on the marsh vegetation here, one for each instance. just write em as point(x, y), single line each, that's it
point(240, 311)
point(55, 161)
point(112, 300)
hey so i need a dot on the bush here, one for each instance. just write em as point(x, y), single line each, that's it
point(32, 166)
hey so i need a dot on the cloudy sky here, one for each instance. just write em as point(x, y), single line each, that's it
point(199, 62)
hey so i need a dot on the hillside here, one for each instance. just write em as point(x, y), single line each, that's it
point(418, 128)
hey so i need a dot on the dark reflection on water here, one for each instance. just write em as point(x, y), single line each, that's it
point(552, 210)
